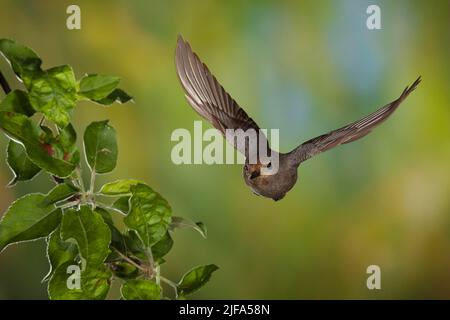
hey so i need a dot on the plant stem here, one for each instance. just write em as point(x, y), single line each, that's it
point(91, 194)
point(4, 84)
point(79, 179)
point(170, 283)
point(124, 257)
point(158, 275)
point(92, 183)
point(69, 204)
point(104, 206)
point(151, 263)
point(76, 183)
point(149, 254)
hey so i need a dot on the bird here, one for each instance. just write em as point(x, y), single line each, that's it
point(212, 102)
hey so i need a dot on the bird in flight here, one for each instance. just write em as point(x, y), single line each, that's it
point(210, 100)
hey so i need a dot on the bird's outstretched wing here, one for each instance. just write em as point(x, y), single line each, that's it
point(205, 94)
point(350, 132)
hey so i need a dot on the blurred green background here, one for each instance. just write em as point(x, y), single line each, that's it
point(305, 67)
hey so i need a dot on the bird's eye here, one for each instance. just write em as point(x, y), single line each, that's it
point(269, 165)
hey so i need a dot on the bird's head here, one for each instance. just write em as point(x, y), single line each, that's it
point(253, 171)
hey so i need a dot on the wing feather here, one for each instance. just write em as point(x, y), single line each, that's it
point(206, 96)
point(350, 132)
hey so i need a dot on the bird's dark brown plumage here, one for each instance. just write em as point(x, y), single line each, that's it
point(205, 94)
point(209, 99)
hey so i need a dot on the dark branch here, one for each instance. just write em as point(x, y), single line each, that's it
point(4, 84)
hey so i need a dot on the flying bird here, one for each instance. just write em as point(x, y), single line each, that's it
point(210, 100)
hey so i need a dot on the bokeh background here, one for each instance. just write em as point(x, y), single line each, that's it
point(305, 67)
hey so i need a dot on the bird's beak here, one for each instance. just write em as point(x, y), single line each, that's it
point(254, 174)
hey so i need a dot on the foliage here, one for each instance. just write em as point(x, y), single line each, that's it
point(85, 247)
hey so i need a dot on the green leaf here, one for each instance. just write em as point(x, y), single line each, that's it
point(162, 247)
point(68, 136)
point(124, 270)
point(63, 145)
point(195, 279)
point(106, 215)
point(60, 192)
point(128, 243)
point(22, 167)
point(17, 101)
point(59, 251)
point(89, 231)
point(180, 222)
point(117, 239)
point(149, 214)
point(119, 187)
point(24, 61)
point(97, 86)
point(133, 244)
point(38, 148)
point(118, 95)
point(94, 283)
point(122, 204)
point(140, 290)
point(66, 140)
point(100, 146)
point(47, 134)
point(27, 220)
point(53, 93)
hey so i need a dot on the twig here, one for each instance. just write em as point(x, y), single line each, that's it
point(76, 183)
point(158, 275)
point(92, 182)
point(80, 179)
point(150, 259)
point(70, 204)
point(5, 86)
point(170, 283)
point(91, 195)
point(104, 206)
point(124, 257)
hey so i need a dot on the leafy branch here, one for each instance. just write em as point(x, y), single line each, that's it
point(79, 225)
